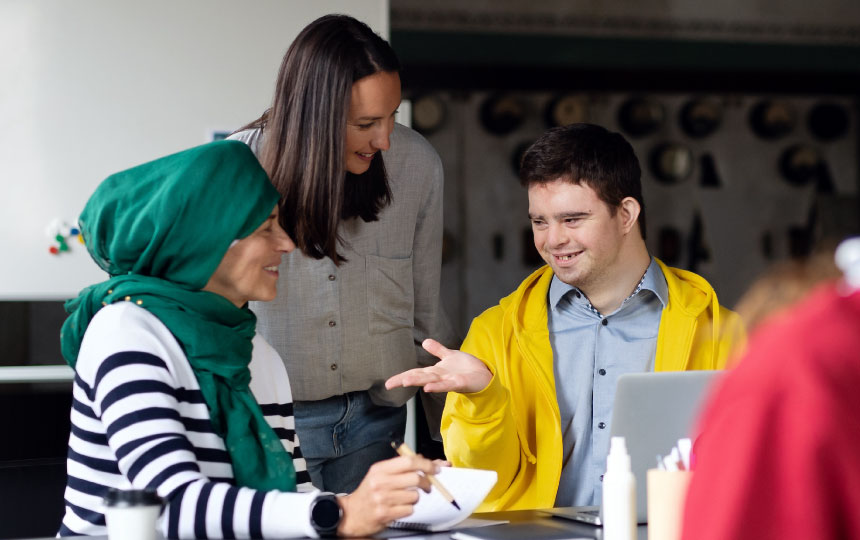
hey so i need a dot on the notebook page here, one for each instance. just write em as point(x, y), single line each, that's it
point(433, 513)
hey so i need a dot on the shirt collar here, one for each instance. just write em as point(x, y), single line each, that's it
point(557, 290)
point(653, 281)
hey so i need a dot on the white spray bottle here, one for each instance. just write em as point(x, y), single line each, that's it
point(619, 494)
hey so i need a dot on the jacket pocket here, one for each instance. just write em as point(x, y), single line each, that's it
point(390, 296)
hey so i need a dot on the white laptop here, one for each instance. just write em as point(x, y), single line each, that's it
point(651, 411)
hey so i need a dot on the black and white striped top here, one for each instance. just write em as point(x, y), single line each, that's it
point(140, 421)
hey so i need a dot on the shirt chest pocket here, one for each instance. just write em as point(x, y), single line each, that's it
point(390, 296)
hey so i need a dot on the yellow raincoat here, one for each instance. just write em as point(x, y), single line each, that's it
point(513, 426)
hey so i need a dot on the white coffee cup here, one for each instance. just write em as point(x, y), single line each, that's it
point(132, 514)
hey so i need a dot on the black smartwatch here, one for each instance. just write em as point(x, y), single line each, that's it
point(326, 514)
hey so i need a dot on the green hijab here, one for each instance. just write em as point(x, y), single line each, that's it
point(160, 230)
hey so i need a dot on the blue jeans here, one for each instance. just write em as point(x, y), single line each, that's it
point(342, 436)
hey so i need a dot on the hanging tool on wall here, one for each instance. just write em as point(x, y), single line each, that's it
point(698, 250)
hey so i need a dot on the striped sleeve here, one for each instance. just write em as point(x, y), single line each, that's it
point(140, 421)
point(271, 387)
point(136, 398)
point(280, 417)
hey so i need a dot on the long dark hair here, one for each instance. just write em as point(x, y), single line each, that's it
point(305, 129)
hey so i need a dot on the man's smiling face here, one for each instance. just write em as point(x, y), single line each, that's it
point(575, 232)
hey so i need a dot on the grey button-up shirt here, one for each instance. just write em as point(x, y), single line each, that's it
point(348, 328)
point(590, 352)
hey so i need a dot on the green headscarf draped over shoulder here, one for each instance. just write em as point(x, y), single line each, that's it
point(160, 230)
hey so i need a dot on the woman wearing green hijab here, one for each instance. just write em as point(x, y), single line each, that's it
point(174, 392)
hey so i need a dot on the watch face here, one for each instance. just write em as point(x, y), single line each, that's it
point(325, 514)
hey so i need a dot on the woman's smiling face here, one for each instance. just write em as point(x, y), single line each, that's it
point(370, 119)
point(249, 269)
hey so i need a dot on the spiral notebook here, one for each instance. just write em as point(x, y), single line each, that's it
point(433, 513)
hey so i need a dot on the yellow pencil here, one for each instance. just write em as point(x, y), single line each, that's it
point(404, 450)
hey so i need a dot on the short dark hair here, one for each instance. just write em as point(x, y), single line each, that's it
point(305, 129)
point(586, 154)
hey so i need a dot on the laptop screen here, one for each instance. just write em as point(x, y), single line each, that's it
point(652, 411)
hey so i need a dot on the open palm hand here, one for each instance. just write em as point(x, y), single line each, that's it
point(455, 371)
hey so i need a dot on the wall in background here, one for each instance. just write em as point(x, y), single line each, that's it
point(738, 51)
point(95, 86)
point(733, 213)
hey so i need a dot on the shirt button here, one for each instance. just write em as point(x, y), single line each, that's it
point(331, 277)
point(604, 322)
point(333, 367)
point(602, 425)
point(601, 371)
point(601, 478)
point(332, 323)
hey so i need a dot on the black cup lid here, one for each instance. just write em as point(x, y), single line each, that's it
point(132, 497)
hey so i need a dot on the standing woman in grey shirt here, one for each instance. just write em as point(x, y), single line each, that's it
point(362, 197)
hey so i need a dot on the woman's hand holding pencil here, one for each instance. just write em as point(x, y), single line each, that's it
point(404, 450)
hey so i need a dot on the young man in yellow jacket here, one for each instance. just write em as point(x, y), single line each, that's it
point(531, 391)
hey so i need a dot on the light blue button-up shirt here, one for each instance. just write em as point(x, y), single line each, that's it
point(590, 352)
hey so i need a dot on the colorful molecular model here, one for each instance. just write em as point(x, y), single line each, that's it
point(61, 233)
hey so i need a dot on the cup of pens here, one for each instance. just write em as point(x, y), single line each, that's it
point(667, 489)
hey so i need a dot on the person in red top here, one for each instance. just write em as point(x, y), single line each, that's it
point(779, 454)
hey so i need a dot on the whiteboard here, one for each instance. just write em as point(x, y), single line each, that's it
point(91, 87)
